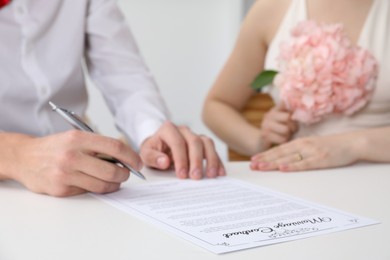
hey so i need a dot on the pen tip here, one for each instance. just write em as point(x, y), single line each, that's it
point(141, 175)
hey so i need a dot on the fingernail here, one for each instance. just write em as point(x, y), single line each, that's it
point(161, 161)
point(196, 173)
point(253, 164)
point(262, 165)
point(212, 172)
point(283, 167)
point(183, 173)
point(222, 172)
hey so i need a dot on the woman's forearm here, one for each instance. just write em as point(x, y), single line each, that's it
point(372, 145)
point(232, 128)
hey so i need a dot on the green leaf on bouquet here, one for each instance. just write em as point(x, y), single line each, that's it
point(263, 79)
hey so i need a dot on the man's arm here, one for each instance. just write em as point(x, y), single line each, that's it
point(118, 70)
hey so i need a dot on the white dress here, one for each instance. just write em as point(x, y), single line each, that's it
point(375, 37)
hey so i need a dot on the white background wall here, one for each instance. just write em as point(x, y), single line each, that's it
point(185, 44)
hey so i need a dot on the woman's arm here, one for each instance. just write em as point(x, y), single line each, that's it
point(231, 91)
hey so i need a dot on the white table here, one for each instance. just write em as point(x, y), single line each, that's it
point(40, 227)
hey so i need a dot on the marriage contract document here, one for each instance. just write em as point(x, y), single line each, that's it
point(224, 214)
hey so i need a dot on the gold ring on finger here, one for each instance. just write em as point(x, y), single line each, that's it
point(298, 157)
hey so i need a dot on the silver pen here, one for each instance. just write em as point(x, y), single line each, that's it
point(79, 124)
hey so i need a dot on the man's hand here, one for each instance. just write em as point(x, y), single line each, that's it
point(179, 146)
point(65, 164)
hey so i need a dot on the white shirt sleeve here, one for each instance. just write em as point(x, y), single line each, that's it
point(117, 69)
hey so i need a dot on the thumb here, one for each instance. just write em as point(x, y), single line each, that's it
point(155, 159)
point(282, 106)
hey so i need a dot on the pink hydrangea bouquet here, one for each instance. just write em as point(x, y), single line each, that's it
point(321, 72)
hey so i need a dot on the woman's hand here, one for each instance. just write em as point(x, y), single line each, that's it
point(309, 153)
point(277, 126)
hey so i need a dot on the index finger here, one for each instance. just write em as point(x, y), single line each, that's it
point(97, 144)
